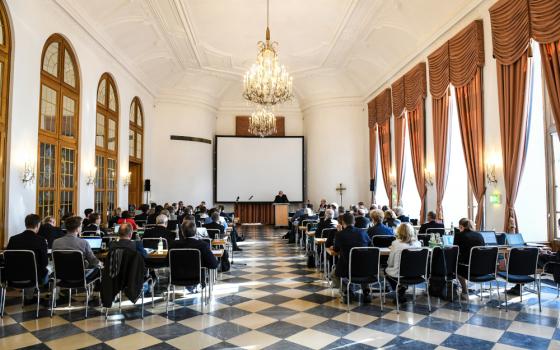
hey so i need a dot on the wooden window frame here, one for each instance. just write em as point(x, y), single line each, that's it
point(5, 59)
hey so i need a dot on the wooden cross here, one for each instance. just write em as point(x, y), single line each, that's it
point(340, 189)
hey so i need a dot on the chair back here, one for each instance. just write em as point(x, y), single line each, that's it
point(444, 261)
point(363, 262)
point(89, 233)
point(69, 268)
point(185, 267)
point(483, 260)
point(172, 225)
point(382, 241)
point(312, 226)
point(214, 233)
point(20, 269)
point(441, 231)
point(501, 238)
point(424, 238)
point(523, 261)
point(207, 240)
point(414, 262)
point(140, 223)
point(152, 243)
point(325, 233)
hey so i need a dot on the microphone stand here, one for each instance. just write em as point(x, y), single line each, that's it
point(233, 228)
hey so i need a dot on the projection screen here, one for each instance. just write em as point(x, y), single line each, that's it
point(255, 169)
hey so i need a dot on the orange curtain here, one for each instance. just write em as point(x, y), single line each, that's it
point(550, 57)
point(471, 123)
point(400, 134)
point(373, 158)
point(416, 127)
point(384, 132)
point(440, 125)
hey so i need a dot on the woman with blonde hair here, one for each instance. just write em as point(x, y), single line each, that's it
point(406, 238)
point(390, 219)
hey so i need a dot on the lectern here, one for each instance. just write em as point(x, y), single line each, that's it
point(281, 214)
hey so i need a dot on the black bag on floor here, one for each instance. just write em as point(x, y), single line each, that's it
point(311, 261)
point(225, 266)
point(439, 288)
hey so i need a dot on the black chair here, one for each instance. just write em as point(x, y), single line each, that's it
point(155, 263)
point(483, 262)
point(363, 268)
point(185, 270)
point(424, 238)
point(553, 268)
point(440, 231)
point(141, 223)
point(20, 272)
point(501, 238)
point(382, 241)
point(413, 270)
point(69, 273)
point(443, 265)
point(172, 225)
point(214, 233)
point(521, 269)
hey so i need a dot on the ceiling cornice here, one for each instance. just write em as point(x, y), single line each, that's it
point(187, 100)
point(355, 101)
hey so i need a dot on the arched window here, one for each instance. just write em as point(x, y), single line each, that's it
point(135, 152)
point(106, 146)
point(5, 49)
point(58, 129)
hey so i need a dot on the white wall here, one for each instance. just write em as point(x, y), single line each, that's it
point(336, 147)
point(182, 170)
point(32, 23)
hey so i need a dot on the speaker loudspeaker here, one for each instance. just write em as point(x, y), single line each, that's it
point(147, 185)
point(372, 185)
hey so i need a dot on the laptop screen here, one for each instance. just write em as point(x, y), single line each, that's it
point(94, 242)
point(116, 228)
point(515, 239)
point(447, 240)
point(489, 237)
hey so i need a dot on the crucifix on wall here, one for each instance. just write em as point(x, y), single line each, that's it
point(340, 189)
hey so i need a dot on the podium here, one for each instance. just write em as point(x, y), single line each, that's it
point(281, 214)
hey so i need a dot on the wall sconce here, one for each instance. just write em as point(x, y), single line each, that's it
point(429, 176)
point(126, 179)
point(91, 177)
point(28, 173)
point(491, 165)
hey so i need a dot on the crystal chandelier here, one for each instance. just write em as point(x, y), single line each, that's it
point(267, 82)
point(262, 122)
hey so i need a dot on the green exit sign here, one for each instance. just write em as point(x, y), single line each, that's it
point(495, 198)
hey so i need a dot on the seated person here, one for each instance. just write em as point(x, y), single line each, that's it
point(30, 240)
point(327, 222)
point(95, 225)
point(188, 228)
point(86, 220)
point(466, 238)
point(347, 238)
point(181, 208)
point(378, 228)
point(390, 219)
point(362, 221)
point(152, 217)
point(172, 213)
point(71, 241)
point(431, 224)
point(406, 238)
point(215, 224)
point(399, 212)
point(144, 215)
point(160, 230)
point(199, 207)
point(115, 217)
point(322, 205)
point(49, 231)
point(127, 217)
point(125, 235)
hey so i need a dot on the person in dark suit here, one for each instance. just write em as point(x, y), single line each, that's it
point(30, 240)
point(399, 212)
point(216, 224)
point(431, 224)
point(390, 219)
point(160, 230)
point(152, 217)
point(281, 198)
point(144, 215)
point(466, 238)
point(49, 231)
point(326, 223)
point(362, 221)
point(95, 225)
point(188, 228)
point(378, 228)
point(125, 235)
point(86, 220)
point(347, 238)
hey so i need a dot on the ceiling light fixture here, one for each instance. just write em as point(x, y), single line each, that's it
point(262, 122)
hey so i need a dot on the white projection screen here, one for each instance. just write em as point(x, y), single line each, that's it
point(258, 167)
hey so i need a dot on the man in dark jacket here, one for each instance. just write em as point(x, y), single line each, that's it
point(326, 223)
point(125, 241)
point(432, 224)
point(49, 231)
point(152, 217)
point(466, 239)
point(160, 230)
point(188, 228)
point(30, 240)
point(378, 228)
point(94, 226)
point(362, 221)
point(144, 215)
point(346, 239)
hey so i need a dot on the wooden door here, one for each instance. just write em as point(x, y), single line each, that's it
point(135, 187)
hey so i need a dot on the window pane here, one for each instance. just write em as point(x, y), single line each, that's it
point(112, 99)
point(50, 61)
point(2, 29)
point(112, 135)
point(67, 163)
point(100, 178)
point(131, 142)
point(69, 72)
point(100, 131)
point(46, 203)
point(101, 92)
point(47, 153)
point(139, 116)
point(111, 201)
point(66, 202)
point(131, 114)
point(1, 82)
point(48, 108)
point(111, 174)
point(98, 205)
point(410, 197)
point(68, 114)
point(138, 145)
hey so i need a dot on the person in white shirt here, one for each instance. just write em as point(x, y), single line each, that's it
point(406, 238)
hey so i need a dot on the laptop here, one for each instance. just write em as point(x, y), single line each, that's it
point(94, 243)
point(489, 238)
point(447, 240)
point(515, 240)
point(116, 229)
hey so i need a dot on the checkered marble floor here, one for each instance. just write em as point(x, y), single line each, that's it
point(275, 302)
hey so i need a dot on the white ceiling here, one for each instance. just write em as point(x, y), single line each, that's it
point(199, 49)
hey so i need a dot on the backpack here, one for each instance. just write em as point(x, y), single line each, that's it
point(225, 265)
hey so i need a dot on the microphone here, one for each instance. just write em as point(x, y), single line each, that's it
point(237, 199)
point(251, 197)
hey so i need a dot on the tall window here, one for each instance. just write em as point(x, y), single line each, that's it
point(135, 152)
point(410, 197)
point(58, 130)
point(106, 146)
point(381, 197)
point(5, 49)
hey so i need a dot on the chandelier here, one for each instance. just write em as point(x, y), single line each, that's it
point(267, 82)
point(262, 122)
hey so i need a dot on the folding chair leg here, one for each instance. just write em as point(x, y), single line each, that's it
point(3, 300)
point(347, 295)
point(153, 295)
point(414, 295)
point(428, 292)
point(87, 299)
point(397, 296)
point(521, 292)
point(505, 296)
point(70, 297)
point(38, 301)
point(53, 298)
point(380, 293)
point(539, 293)
point(142, 302)
point(167, 301)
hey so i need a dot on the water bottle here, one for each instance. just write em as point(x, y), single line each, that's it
point(160, 245)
